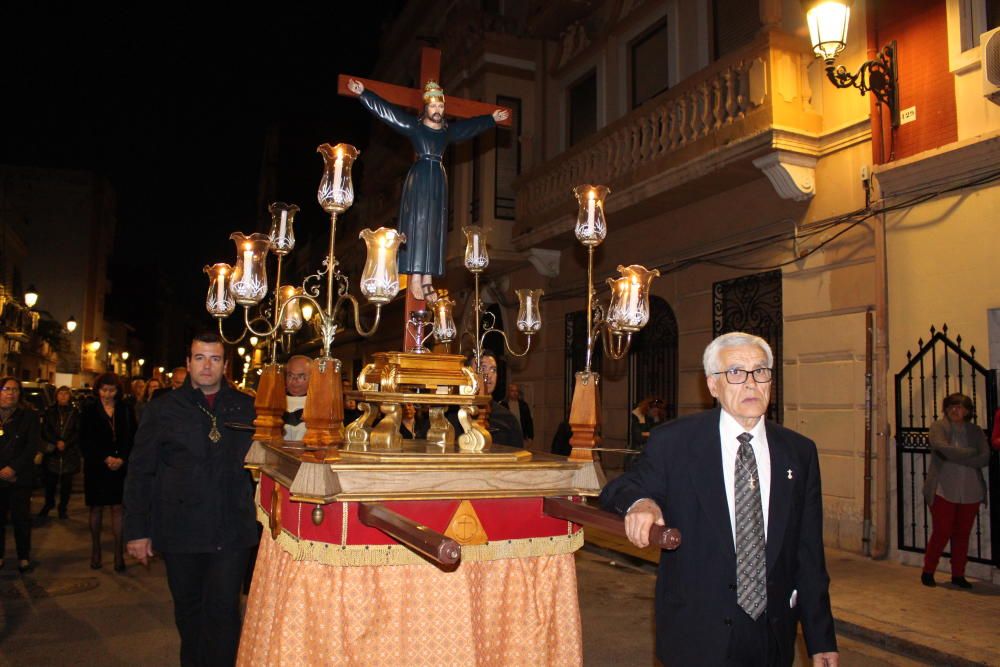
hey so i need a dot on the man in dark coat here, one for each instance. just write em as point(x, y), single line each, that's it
point(519, 410)
point(423, 206)
point(745, 494)
point(188, 497)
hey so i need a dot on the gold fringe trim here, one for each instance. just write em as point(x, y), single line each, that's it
point(397, 554)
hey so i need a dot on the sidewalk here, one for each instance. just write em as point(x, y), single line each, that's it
point(883, 602)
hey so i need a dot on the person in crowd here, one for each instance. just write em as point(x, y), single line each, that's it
point(177, 378)
point(413, 425)
point(520, 410)
point(954, 486)
point(184, 449)
point(296, 384)
point(995, 436)
point(136, 390)
point(351, 411)
point(733, 597)
point(649, 413)
point(61, 445)
point(560, 441)
point(19, 442)
point(503, 426)
point(152, 386)
point(107, 429)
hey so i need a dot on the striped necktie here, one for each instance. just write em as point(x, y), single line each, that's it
point(751, 563)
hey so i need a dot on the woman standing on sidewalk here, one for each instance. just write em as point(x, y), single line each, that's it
point(107, 428)
point(18, 446)
point(954, 486)
point(60, 438)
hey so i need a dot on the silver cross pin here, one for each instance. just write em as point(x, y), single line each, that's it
point(789, 473)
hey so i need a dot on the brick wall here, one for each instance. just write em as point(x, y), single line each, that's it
point(921, 33)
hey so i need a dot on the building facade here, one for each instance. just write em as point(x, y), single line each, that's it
point(769, 200)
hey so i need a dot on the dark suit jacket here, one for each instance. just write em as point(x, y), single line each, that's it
point(527, 424)
point(681, 470)
point(185, 492)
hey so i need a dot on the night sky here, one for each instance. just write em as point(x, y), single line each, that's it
point(173, 106)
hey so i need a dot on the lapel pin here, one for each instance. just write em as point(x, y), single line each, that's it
point(789, 473)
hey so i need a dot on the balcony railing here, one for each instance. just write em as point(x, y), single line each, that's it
point(722, 105)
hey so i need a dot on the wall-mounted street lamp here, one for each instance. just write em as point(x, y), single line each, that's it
point(31, 296)
point(828, 20)
point(125, 356)
point(141, 362)
point(94, 346)
point(71, 324)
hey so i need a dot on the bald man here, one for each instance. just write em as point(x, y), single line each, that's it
point(296, 383)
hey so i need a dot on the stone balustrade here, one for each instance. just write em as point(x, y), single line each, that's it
point(724, 103)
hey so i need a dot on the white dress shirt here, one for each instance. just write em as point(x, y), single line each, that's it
point(729, 429)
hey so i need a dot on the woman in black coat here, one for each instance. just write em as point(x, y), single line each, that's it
point(61, 444)
point(18, 446)
point(107, 428)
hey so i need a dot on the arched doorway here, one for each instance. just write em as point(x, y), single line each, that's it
point(652, 360)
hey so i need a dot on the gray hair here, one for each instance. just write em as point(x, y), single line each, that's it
point(710, 360)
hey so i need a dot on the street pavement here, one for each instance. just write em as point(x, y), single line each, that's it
point(64, 613)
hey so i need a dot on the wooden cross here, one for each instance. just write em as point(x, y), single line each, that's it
point(413, 98)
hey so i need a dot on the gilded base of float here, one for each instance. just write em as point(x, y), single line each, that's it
point(418, 473)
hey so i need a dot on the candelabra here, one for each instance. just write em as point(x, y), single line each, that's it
point(627, 312)
point(529, 318)
point(246, 284)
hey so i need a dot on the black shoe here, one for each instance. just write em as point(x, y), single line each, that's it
point(44, 512)
point(25, 566)
point(961, 582)
point(927, 579)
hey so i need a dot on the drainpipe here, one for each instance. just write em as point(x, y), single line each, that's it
point(866, 534)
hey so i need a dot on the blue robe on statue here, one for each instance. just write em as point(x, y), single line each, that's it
point(423, 206)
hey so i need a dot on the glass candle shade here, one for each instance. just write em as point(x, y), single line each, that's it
point(219, 302)
point(282, 234)
point(291, 316)
point(476, 257)
point(248, 284)
point(380, 277)
point(307, 311)
point(828, 21)
point(444, 322)
point(591, 226)
point(336, 190)
point(529, 317)
point(628, 311)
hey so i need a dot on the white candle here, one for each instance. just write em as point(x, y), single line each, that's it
point(220, 289)
point(380, 273)
point(633, 302)
point(338, 171)
point(281, 228)
point(591, 203)
point(475, 246)
point(247, 266)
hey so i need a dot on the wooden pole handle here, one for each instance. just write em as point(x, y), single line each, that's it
point(418, 537)
point(561, 508)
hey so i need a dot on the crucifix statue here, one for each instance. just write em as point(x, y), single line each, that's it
point(423, 206)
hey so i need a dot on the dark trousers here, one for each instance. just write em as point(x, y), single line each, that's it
point(751, 643)
point(65, 485)
point(952, 522)
point(16, 501)
point(206, 591)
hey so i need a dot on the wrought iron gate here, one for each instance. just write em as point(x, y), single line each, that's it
point(752, 304)
point(939, 368)
point(652, 360)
